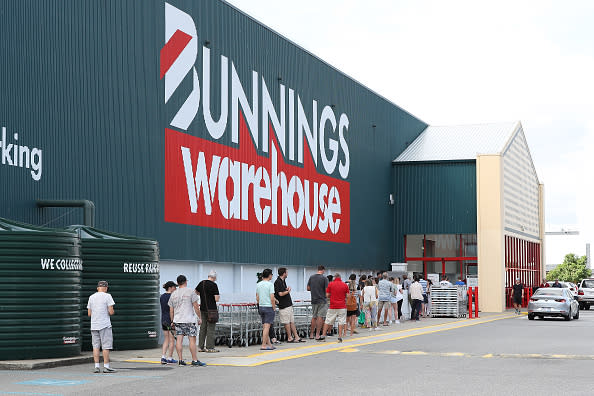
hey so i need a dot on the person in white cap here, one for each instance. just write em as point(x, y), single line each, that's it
point(100, 308)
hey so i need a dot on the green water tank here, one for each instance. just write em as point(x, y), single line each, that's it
point(40, 289)
point(131, 267)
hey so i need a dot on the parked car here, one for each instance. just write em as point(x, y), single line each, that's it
point(571, 286)
point(553, 301)
point(586, 293)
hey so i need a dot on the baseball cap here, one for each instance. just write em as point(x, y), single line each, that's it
point(102, 284)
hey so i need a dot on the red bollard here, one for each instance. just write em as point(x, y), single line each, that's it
point(476, 305)
point(470, 303)
point(527, 295)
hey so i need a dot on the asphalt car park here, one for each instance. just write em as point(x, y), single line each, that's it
point(505, 353)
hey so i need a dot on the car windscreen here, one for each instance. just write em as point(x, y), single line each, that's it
point(588, 284)
point(549, 291)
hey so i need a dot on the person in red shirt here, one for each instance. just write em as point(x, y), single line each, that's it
point(337, 291)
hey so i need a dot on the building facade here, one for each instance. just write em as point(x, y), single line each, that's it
point(193, 124)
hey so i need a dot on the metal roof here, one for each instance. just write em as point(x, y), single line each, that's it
point(459, 142)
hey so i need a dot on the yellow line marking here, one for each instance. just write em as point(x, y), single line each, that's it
point(454, 354)
point(356, 342)
point(319, 344)
point(349, 350)
point(473, 323)
point(490, 355)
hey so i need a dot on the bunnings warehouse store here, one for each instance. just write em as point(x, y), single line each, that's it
point(191, 124)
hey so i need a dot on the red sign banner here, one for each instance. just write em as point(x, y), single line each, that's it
point(213, 185)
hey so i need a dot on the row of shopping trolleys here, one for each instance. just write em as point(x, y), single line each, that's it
point(240, 324)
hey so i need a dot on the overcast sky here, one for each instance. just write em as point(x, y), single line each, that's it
point(463, 62)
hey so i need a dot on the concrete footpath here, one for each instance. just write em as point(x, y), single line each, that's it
point(252, 356)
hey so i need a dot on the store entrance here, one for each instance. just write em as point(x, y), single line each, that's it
point(451, 255)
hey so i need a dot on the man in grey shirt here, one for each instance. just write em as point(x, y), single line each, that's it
point(385, 290)
point(317, 285)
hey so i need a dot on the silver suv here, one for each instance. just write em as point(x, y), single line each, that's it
point(586, 293)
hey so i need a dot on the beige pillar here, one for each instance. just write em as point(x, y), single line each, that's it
point(490, 238)
point(541, 220)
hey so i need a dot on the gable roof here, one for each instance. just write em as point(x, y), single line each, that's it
point(459, 142)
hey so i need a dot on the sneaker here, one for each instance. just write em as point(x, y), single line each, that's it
point(182, 363)
point(109, 370)
point(163, 360)
point(397, 322)
point(171, 361)
point(97, 370)
point(339, 339)
point(197, 363)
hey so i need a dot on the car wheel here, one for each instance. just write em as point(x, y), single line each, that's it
point(568, 316)
point(530, 316)
point(587, 306)
point(577, 314)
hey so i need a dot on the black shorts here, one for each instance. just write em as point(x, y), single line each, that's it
point(517, 299)
point(165, 327)
point(353, 313)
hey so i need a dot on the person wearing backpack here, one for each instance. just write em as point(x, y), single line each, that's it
point(351, 304)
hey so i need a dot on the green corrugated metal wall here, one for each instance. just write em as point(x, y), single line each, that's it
point(81, 80)
point(433, 198)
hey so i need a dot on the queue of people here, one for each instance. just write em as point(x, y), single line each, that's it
point(367, 302)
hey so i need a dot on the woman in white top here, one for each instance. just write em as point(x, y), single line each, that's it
point(370, 304)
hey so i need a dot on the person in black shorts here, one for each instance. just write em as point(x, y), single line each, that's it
point(352, 315)
point(518, 295)
point(166, 325)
